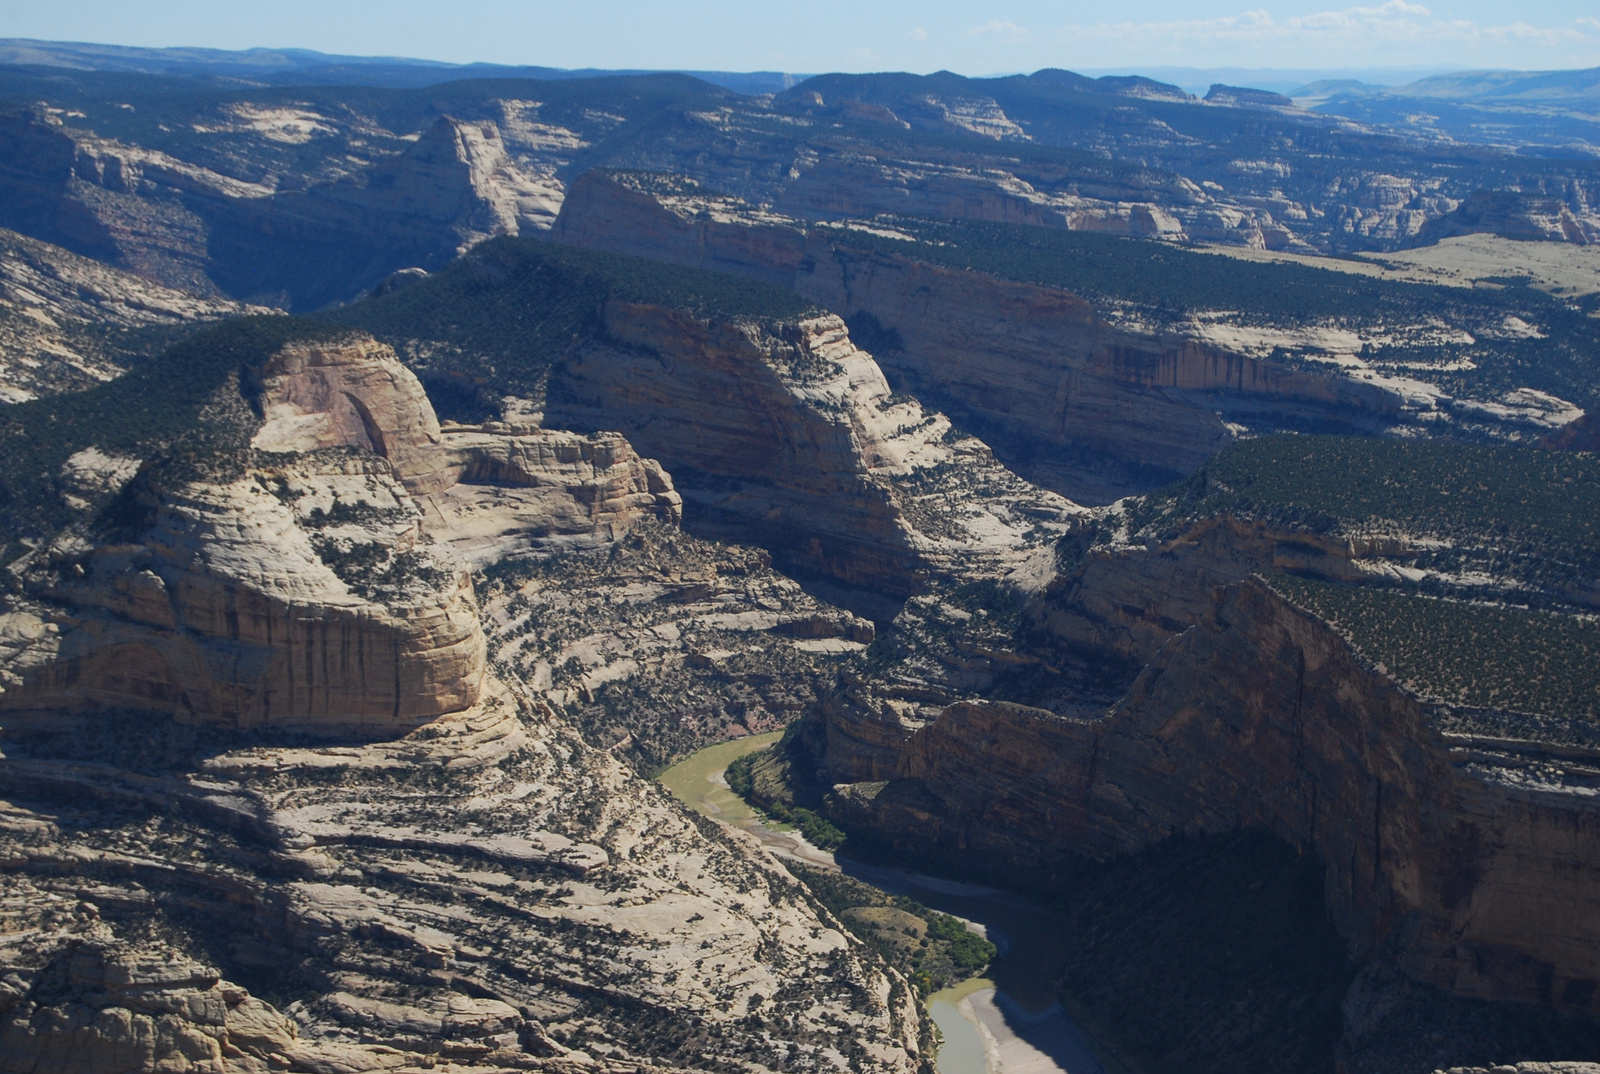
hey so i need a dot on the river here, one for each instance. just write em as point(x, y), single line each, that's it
point(1007, 1022)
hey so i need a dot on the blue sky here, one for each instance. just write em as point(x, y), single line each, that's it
point(840, 35)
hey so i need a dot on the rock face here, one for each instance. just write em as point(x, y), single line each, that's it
point(669, 218)
point(1431, 845)
point(314, 589)
point(1094, 409)
point(55, 307)
point(150, 1010)
point(803, 447)
point(351, 394)
point(517, 489)
point(1580, 435)
point(199, 229)
point(297, 595)
point(1512, 214)
point(454, 187)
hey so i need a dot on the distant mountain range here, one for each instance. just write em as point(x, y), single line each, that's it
point(298, 66)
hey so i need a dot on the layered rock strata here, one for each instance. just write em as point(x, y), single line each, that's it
point(791, 438)
point(485, 894)
point(312, 589)
point(516, 489)
point(486, 891)
point(1093, 410)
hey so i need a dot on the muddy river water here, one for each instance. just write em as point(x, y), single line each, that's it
point(1007, 1022)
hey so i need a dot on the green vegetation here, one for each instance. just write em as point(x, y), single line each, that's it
point(509, 309)
point(506, 311)
point(1169, 282)
point(935, 950)
point(1471, 654)
point(184, 407)
point(818, 830)
point(1532, 514)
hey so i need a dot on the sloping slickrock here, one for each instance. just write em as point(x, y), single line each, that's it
point(532, 904)
point(798, 444)
point(56, 307)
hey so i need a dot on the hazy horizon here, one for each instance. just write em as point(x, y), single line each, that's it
point(972, 39)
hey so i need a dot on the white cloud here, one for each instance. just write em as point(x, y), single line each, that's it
point(919, 34)
point(1002, 29)
point(1393, 23)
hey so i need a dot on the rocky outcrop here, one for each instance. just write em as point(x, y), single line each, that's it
point(454, 187)
point(318, 587)
point(1580, 435)
point(1512, 214)
point(792, 439)
point(1438, 852)
point(670, 218)
point(297, 595)
point(97, 1005)
point(516, 489)
point(1082, 407)
point(351, 393)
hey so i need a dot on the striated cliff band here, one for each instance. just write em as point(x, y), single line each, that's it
point(1095, 369)
point(1284, 646)
point(458, 878)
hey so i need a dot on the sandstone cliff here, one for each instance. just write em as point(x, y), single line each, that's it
point(453, 187)
point(791, 438)
point(1085, 408)
point(316, 586)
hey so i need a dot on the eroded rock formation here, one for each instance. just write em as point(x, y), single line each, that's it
point(1086, 408)
point(486, 890)
point(312, 588)
point(794, 441)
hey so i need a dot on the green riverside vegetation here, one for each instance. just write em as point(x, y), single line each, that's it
point(818, 830)
point(932, 949)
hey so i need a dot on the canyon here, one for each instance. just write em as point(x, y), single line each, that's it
point(394, 478)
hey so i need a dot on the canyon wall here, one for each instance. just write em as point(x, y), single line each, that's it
point(787, 435)
point(1074, 403)
point(1474, 873)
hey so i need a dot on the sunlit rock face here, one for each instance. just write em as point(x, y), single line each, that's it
point(800, 446)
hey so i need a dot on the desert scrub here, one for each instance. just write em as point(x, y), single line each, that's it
point(1487, 656)
point(1529, 518)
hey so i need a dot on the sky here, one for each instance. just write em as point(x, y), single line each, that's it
point(812, 36)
